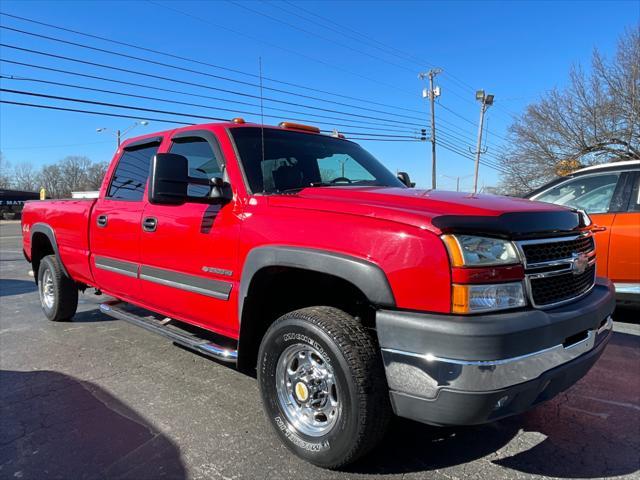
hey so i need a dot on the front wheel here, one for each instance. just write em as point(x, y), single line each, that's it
point(58, 293)
point(323, 385)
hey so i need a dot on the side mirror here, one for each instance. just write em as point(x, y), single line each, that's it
point(169, 179)
point(169, 183)
point(404, 178)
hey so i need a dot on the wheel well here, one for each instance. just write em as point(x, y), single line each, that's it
point(40, 247)
point(275, 291)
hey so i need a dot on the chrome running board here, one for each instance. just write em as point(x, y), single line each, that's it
point(172, 331)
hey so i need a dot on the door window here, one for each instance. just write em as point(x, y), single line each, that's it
point(130, 177)
point(590, 193)
point(203, 162)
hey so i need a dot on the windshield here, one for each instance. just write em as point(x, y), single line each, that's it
point(294, 160)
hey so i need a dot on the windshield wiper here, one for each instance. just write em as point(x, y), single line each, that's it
point(311, 185)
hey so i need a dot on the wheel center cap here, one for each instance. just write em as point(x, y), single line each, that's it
point(302, 392)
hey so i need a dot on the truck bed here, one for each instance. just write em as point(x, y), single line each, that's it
point(69, 219)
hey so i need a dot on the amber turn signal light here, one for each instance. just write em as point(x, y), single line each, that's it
point(299, 126)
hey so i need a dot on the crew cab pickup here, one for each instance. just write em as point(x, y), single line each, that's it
point(297, 256)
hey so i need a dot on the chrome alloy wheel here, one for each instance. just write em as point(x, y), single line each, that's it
point(307, 390)
point(47, 296)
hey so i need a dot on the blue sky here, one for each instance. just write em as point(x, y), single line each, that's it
point(365, 50)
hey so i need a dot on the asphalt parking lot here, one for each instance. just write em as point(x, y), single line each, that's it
point(99, 398)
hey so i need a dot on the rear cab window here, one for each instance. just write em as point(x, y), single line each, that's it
point(130, 176)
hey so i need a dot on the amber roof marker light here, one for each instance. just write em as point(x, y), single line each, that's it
point(299, 126)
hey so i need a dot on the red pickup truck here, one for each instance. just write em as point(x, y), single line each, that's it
point(299, 257)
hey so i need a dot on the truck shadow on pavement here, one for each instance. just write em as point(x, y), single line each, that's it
point(55, 426)
point(10, 287)
point(590, 431)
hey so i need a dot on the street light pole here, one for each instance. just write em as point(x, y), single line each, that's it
point(485, 102)
point(121, 133)
point(432, 93)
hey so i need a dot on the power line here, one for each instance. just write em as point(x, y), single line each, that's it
point(104, 114)
point(145, 97)
point(192, 71)
point(264, 42)
point(151, 119)
point(348, 47)
point(331, 25)
point(214, 76)
point(225, 68)
point(35, 147)
point(168, 90)
point(454, 149)
point(200, 62)
point(442, 131)
point(153, 110)
point(168, 79)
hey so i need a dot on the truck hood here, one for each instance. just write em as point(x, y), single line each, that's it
point(440, 211)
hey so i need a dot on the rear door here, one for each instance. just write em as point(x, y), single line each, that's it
point(115, 224)
point(624, 247)
point(189, 257)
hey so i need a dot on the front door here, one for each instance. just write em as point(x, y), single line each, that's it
point(189, 252)
point(115, 228)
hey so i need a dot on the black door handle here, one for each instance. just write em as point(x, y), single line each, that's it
point(102, 221)
point(149, 224)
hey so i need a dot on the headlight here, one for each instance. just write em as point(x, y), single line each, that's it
point(472, 251)
point(480, 298)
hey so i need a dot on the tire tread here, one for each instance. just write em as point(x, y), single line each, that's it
point(66, 290)
point(360, 348)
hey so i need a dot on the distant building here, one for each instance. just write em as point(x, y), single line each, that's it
point(12, 201)
point(87, 194)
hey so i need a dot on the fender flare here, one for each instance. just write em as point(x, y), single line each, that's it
point(50, 234)
point(365, 275)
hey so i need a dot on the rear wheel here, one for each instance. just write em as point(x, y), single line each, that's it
point(323, 385)
point(58, 293)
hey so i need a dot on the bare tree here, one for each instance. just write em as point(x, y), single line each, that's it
point(25, 177)
point(51, 179)
point(595, 119)
point(95, 175)
point(5, 172)
point(74, 173)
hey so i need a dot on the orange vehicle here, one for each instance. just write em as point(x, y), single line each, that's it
point(610, 194)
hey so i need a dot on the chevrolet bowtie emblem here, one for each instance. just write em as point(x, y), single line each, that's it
point(579, 263)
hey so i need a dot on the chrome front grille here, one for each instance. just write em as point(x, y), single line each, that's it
point(558, 270)
point(556, 250)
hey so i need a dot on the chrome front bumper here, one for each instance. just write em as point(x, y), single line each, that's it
point(456, 370)
point(424, 374)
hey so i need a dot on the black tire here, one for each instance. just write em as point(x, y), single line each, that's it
point(63, 290)
point(356, 362)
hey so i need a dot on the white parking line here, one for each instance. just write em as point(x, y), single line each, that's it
point(612, 402)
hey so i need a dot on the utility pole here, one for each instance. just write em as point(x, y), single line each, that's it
point(457, 179)
point(432, 93)
point(485, 102)
point(118, 135)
